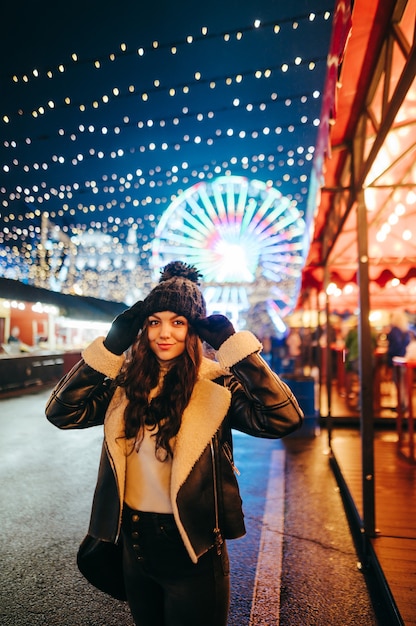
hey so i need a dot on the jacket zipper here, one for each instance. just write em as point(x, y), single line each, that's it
point(120, 515)
point(227, 451)
point(217, 532)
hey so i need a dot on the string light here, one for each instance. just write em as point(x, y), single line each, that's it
point(173, 47)
point(172, 90)
point(185, 114)
point(205, 124)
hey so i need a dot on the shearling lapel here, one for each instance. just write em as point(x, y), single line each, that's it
point(114, 438)
point(202, 417)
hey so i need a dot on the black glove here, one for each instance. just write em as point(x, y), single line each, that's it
point(124, 329)
point(214, 329)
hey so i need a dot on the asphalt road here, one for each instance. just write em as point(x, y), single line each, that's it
point(297, 564)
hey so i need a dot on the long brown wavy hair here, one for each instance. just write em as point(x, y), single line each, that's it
point(141, 374)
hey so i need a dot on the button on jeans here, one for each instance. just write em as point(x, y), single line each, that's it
point(164, 587)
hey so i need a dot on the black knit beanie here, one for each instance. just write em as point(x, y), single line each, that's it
point(177, 291)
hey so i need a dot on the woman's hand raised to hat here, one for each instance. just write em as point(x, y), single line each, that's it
point(125, 328)
point(214, 329)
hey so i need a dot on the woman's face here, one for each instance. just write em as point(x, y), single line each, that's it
point(167, 333)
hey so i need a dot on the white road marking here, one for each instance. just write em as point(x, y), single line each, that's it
point(265, 608)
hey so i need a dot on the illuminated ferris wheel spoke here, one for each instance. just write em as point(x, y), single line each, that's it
point(280, 266)
point(226, 187)
point(212, 294)
point(280, 293)
point(286, 221)
point(276, 314)
point(271, 222)
point(237, 202)
point(274, 240)
point(277, 254)
point(262, 210)
point(288, 239)
point(242, 297)
point(195, 225)
point(288, 259)
point(219, 202)
point(229, 197)
point(190, 227)
point(282, 296)
point(278, 242)
point(186, 234)
point(202, 215)
point(268, 232)
point(235, 296)
point(209, 207)
point(274, 272)
point(209, 271)
point(289, 271)
point(236, 232)
point(179, 252)
point(193, 204)
point(242, 201)
point(226, 294)
point(248, 214)
point(277, 238)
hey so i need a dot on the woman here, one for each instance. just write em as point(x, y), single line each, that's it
point(166, 490)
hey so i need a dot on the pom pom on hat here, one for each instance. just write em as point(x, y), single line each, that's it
point(177, 291)
point(177, 269)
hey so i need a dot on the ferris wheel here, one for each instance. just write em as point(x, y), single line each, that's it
point(244, 237)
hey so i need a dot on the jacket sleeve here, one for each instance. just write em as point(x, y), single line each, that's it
point(262, 404)
point(81, 398)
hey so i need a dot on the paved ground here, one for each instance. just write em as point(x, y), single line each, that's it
point(47, 479)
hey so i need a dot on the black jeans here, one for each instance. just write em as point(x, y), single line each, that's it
point(164, 587)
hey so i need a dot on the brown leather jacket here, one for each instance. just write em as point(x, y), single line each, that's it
point(240, 392)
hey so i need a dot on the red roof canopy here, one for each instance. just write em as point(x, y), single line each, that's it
point(379, 61)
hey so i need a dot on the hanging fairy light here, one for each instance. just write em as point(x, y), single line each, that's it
point(147, 136)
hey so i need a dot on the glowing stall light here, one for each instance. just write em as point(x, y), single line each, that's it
point(99, 327)
point(235, 231)
point(375, 317)
point(14, 304)
point(333, 290)
point(50, 309)
point(349, 289)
